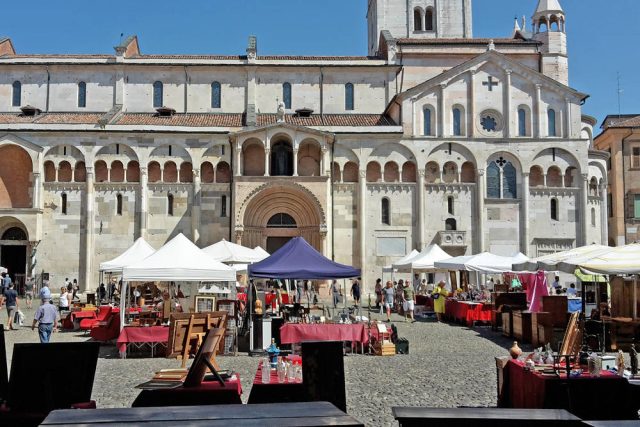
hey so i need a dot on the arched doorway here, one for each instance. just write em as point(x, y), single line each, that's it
point(281, 159)
point(278, 212)
point(13, 251)
point(280, 223)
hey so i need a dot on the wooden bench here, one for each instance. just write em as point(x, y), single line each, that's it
point(483, 417)
point(272, 414)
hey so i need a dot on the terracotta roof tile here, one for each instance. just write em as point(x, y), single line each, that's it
point(329, 120)
point(194, 57)
point(51, 118)
point(64, 56)
point(481, 41)
point(189, 119)
point(624, 123)
point(314, 58)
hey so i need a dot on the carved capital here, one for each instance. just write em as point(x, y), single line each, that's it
point(144, 171)
point(196, 173)
point(362, 173)
point(480, 172)
point(422, 173)
point(585, 177)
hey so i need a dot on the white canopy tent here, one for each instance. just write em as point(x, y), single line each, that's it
point(423, 261)
point(232, 253)
point(136, 253)
point(178, 260)
point(621, 260)
point(484, 262)
point(406, 259)
point(2, 270)
point(550, 262)
point(259, 250)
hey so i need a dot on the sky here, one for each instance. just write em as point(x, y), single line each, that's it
point(603, 37)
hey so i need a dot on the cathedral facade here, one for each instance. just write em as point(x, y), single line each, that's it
point(434, 137)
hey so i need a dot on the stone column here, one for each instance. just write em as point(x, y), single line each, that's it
point(323, 162)
point(537, 107)
point(144, 182)
point(195, 207)
point(507, 102)
point(480, 210)
point(36, 197)
point(472, 103)
point(267, 156)
point(604, 214)
point(420, 208)
point(89, 231)
point(584, 217)
point(295, 162)
point(238, 166)
point(362, 234)
point(567, 118)
point(441, 112)
point(525, 213)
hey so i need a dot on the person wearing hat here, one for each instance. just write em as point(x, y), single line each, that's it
point(46, 318)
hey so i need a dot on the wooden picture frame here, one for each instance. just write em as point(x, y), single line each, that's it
point(201, 323)
point(204, 304)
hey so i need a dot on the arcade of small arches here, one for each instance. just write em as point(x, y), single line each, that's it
point(423, 19)
point(554, 23)
point(279, 156)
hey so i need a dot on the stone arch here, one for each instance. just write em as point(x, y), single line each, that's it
point(450, 172)
point(351, 173)
point(117, 171)
point(391, 172)
point(207, 174)
point(391, 152)
point(281, 160)
point(555, 157)
point(80, 172)
point(452, 152)
point(15, 175)
point(253, 158)
point(374, 172)
point(186, 172)
point(64, 152)
point(101, 171)
point(593, 186)
point(554, 177)
point(336, 172)
point(536, 176)
point(223, 173)
point(170, 172)
point(432, 173)
point(309, 155)
point(133, 171)
point(9, 222)
point(468, 172)
point(409, 172)
point(49, 171)
point(276, 198)
point(571, 177)
point(154, 171)
point(65, 174)
point(117, 151)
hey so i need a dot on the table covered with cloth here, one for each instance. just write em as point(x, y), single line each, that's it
point(291, 333)
point(425, 300)
point(590, 398)
point(468, 312)
point(142, 334)
point(207, 393)
point(273, 391)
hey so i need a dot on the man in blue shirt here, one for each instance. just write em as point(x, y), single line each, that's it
point(46, 318)
point(11, 298)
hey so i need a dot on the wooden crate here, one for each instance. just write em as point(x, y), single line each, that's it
point(384, 349)
point(507, 324)
point(522, 326)
point(557, 305)
point(541, 318)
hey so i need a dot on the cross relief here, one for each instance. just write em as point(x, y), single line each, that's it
point(490, 83)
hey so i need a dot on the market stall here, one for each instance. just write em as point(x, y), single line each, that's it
point(299, 260)
point(179, 260)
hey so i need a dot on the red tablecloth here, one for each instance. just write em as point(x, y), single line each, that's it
point(274, 391)
point(142, 334)
point(297, 332)
point(585, 396)
point(467, 312)
point(424, 300)
point(207, 393)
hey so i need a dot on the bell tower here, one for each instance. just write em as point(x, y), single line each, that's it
point(549, 27)
point(418, 19)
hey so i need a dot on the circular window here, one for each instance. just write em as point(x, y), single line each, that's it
point(490, 123)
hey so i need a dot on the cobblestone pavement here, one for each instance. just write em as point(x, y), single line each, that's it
point(448, 366)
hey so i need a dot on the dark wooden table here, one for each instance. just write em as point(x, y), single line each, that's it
point(483, 417)
point(280, 414)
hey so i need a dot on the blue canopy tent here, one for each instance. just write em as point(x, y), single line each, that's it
point(297, 259)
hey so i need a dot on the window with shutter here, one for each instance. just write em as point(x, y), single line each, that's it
point(636, 206)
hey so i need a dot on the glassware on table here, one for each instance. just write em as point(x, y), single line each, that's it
point(291, 372)
point(282, 372)
point(299, 372)
point(266, 371)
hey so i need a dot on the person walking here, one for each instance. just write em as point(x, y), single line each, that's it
point(408, 301)
point(2, 289)
point(45, 292)
point(378, 290)
point(355, 291)
point(65, 299)
point(11, 297)
point(46, 318)
point(439, 295)
point(388, 292)
point(29, 287)
point(335, 293)
point(76, 288)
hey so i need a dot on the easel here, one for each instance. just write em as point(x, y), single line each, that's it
point(572, 340)
point(199, 337)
